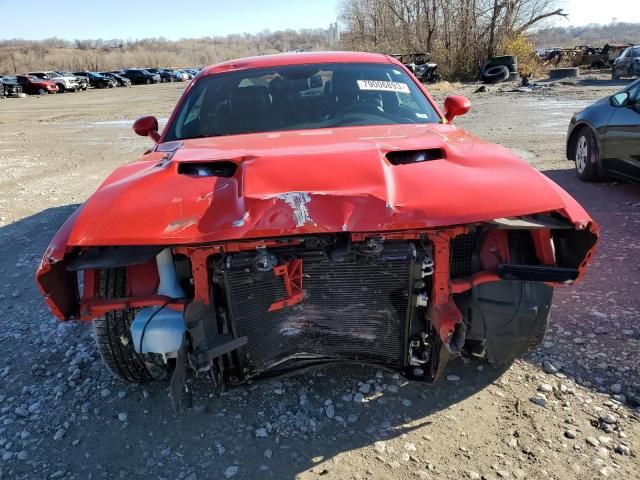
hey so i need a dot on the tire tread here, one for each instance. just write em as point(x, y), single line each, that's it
point(120, 357)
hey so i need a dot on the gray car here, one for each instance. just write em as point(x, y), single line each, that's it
point(627, 64)
point(604, 138)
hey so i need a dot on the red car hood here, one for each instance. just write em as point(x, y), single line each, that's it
point(316, 181)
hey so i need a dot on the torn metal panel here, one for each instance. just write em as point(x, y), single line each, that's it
point(298, 202)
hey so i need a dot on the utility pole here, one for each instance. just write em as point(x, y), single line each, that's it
point(613, 24)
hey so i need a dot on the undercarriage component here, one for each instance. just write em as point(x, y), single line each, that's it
point(446, 318)
point(264, 261)
point(206, 341)
point(443, 313)
point(202, 347)
point(537, 273)
point(419, 350)
point(510, 317)
point(159, 329)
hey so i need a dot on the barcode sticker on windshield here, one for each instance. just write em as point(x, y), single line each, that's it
point(383, 86)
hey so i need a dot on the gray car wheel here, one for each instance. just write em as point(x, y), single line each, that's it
point(631, 72)
point(586, 155)
point(614, 75)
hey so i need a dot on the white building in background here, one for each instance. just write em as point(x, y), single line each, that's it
point(333, 35)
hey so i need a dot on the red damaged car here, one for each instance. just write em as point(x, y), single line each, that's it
point(307, 208)
point(33, 85)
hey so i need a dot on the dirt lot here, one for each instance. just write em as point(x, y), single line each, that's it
point(62, 416)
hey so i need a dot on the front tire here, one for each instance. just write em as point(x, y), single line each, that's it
point(60, 88)
point(148, 81)
point(586, 155)
point(41, 91)
point(113, 336)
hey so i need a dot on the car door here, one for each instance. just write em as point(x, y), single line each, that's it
point(621, 149)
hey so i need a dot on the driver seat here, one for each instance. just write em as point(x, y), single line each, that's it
point(250, 110)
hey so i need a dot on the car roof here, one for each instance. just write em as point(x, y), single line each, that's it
point(298, 58)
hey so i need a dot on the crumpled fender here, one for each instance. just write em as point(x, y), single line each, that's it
point(581, 220)
point(59, 286)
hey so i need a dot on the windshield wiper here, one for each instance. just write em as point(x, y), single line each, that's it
point(200, 135)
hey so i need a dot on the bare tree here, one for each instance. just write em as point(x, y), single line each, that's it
point(19, 56)
point(460, 34)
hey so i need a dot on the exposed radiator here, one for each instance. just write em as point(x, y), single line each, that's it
point(350, 311)
point(461, 260)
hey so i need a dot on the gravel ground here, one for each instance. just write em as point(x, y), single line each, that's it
point(569, 410)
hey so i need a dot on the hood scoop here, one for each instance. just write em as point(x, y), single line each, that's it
point(406, 157)
point(222, 168)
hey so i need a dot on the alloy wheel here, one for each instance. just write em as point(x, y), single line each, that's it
point(582, 153)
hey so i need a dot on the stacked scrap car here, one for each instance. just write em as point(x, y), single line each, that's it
point(421, 66)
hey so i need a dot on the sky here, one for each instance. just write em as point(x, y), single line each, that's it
point(582, 12)
point(175, 19)
point(172, 19)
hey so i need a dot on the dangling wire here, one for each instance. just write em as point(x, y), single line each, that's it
point(146, 324)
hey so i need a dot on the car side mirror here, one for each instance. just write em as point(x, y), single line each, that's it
point(147, 127)
point(619, 99)
point(455, 106)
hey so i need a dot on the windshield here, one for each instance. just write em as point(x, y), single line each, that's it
point(95, 75)
point(301, 97)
